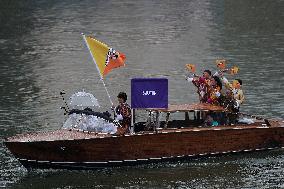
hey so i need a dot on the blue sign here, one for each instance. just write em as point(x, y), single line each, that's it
point(149, 93)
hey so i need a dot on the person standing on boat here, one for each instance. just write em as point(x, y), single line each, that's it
point(215, 88)
point(123, 114)
point(203, 85)
point(236, 88)
point(235, 97)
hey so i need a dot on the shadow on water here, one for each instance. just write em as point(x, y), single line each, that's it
point(226, 171)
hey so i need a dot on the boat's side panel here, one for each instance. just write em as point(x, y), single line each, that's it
point(150, 146)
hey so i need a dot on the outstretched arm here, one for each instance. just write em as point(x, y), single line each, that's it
point(228, 85)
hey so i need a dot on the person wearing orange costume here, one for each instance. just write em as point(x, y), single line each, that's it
point(236, 88)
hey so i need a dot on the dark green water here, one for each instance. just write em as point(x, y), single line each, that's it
point(42, 52)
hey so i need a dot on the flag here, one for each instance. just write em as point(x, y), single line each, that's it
point(105, 57)
point(221, 64)
point(190, 67)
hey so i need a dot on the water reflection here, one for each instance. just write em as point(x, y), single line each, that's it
point(230, 171)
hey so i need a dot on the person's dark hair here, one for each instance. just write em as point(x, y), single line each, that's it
point(208, 71)
point(218, 81)
point(240, 81)
point(122, 95)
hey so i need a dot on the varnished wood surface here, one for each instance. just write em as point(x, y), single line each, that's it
point(88, 147)
point(190, 107)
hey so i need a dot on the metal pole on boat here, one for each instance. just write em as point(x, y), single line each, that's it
point(157, 124)
point(61, 94)
point(84, 37)
point(132, 120)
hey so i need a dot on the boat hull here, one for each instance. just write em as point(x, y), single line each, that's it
point(175, 144)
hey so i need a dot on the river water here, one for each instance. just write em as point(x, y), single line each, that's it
point(42, 52)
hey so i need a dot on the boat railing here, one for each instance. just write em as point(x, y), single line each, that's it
point(193, 117)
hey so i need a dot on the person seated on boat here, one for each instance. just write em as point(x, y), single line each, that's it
point(211, 120)
point(123, 114)
point(202, 84)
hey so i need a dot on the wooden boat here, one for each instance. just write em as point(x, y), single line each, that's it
point(170, 139)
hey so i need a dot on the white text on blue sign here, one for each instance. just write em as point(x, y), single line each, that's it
point(149, 93)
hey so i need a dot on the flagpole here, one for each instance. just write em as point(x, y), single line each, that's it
point(98, 69)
